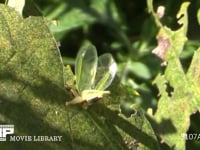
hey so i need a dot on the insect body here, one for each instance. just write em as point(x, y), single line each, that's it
point(93, 75)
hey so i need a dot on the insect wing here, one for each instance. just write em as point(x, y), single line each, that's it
point(106, 71)
point(85, 67)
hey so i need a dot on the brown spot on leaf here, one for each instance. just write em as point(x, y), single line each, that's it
point(161, 49)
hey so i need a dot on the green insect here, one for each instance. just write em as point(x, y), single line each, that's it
point(93, 75)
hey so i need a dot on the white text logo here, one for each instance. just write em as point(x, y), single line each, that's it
point(5, 130)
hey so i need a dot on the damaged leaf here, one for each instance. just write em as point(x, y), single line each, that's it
point(172, 117)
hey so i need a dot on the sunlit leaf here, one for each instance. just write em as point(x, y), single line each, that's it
point(31, 81)
point(178, 91)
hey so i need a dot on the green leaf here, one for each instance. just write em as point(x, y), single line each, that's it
point(104, 126)
point(179, 92)
point(31, 81)
point(193, 77)
point(139, 69)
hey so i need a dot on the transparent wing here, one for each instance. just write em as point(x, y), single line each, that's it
point(106, 71)
point(85, 67)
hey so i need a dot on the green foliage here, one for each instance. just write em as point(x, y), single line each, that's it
point(33, 96)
